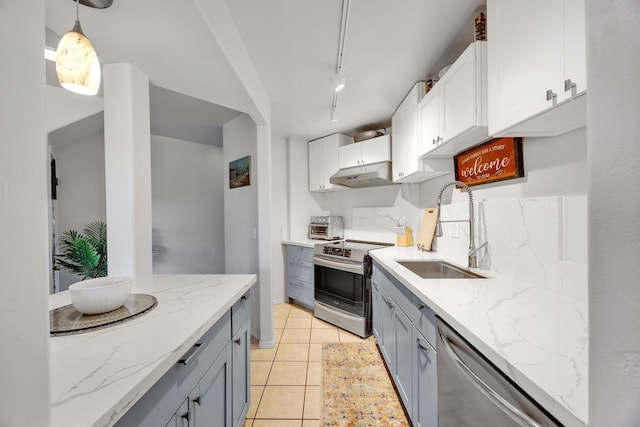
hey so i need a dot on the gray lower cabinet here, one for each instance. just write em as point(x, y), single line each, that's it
point(425, 384)
point(400, 324)
point(208, 386)
point(209, 403)
point(240, 365)
point(300, 274)
point(404, 372)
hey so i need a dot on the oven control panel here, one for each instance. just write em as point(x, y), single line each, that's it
point(342, 252)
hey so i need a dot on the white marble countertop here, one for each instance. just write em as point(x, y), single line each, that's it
point(537, 337)
point(304, 242)
point(97, 376)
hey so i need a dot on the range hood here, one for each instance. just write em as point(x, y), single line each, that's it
point(372, 175)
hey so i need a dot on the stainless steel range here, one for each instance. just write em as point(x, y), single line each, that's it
point(342, 285)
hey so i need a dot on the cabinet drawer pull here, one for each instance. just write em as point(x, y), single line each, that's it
point(187, 416)
point(551, 96)
point(196, 400)
point(387, 302)
point(423, 347)
point(420, 306)
point(570, 86)
point(189, 354)
point(238, 341)
point(244, 297)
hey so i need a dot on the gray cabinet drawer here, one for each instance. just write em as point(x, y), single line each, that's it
point(240, 312)
point(300, 270)
point(300, 252)
point(301, 291)
point(422, 317)
point(168, 393)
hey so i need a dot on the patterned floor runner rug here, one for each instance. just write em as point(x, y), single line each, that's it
point(357, 390)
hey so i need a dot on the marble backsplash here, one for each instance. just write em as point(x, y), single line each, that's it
point(376, 224)
point(542, 240)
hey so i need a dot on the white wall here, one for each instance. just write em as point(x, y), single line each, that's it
point(241, 206)
point(187, 207)
point(81, 190)
point(614, 212)
point(24, 256)
point(279, 182)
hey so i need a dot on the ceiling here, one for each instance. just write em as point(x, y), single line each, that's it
point(293, 46)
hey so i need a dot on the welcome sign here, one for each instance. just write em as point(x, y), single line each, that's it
point(495, 160)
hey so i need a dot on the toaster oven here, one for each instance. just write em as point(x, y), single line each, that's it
point(326, 228)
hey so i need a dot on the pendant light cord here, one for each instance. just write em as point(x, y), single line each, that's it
point(77, 10)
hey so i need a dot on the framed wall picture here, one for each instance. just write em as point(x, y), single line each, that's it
point(240, 172)
point(496, 160)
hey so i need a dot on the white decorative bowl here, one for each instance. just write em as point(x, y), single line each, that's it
point(96, 296)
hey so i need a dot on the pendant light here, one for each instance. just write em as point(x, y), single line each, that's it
point(77, 63)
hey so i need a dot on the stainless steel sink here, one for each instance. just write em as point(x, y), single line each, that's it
point(439, 270)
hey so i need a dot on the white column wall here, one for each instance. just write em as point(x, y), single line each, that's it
point(241, 209)
point(613, 63)
point(24, 254)
point(127, 170)
point(266, 214)
point(280, 217)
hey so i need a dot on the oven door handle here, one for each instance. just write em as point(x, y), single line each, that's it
point(342, 266)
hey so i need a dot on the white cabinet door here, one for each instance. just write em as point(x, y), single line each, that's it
point(350, 155)
point(525, 59)
point(324, 161)
point(537, 67)
point(405, 136)
point(332, 159)
point(429, 116)
point(316, 166)
point(575, 47)
point(376, 150)
point(457, 90)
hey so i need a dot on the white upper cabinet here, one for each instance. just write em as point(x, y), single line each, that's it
point(429, 120)
point(365, 152)
point(537, 67)
point(323, 161)
point(404, 146)
point(453, 115)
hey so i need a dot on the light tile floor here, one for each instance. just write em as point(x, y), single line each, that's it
point(285, 380)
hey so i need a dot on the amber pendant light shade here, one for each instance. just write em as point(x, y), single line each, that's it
point(77, 64)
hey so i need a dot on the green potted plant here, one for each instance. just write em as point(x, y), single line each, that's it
point(85, 254)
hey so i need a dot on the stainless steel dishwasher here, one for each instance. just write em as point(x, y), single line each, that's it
point(472, 392)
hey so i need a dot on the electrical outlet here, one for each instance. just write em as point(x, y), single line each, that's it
point(254, 234)
point(455, 231)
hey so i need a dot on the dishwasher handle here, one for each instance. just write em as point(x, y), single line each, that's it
point(490, 393)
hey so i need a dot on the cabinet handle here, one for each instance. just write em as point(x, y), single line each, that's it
point(423, 347)
point(238, 341)
point(189, 354)
point(551, 96)
point(420, 306)
point(569, 85)
point(388, 303)
point(187, 416)
point(433, 141)
point(244, 297)
point(196, 400)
